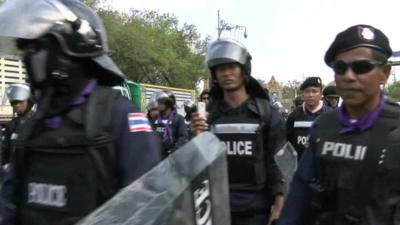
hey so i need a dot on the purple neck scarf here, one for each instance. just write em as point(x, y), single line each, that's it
point(167, 135)
point(367, 121)
point(56, 121)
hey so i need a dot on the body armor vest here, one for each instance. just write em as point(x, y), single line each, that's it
point(343, 163)
point(301, 128)
point(243, 139)
point(168, 142)
point(65, 173)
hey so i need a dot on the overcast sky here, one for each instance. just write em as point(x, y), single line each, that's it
point(287, 38)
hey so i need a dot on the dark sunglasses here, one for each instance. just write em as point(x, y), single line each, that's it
point(358, 67)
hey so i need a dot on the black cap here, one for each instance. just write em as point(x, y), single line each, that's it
point(311, 82)
point(329, 90)
point(358, 36)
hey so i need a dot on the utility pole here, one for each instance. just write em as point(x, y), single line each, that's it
point(222, 25)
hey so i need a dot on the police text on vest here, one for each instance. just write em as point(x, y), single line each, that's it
point(47, 194)
point(239, 147)
point(342, 150)
point(302, 140)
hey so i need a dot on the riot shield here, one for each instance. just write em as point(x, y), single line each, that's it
point(190, 187)
point(286, 159)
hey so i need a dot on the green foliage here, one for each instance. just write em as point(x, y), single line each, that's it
point(150, 47)
point(291, 89)
point(393, 90)
point(7, 46)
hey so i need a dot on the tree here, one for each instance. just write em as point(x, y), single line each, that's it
point(291, 89)
point(393, 90)
point(150, 47)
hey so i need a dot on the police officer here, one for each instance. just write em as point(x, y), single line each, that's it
point(241, 115)
point(189, 108)
point(169, 124)
point(331, 98)
point(350, 174)
point(297, 102)
point(152, 112)
point(300, 120)
point(276, 104)
point(20, 99)
point(285, 114)
point(205, 96)
point(85, 141)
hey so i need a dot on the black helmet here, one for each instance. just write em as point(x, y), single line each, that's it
point(298, 100)
point(77, 28)
point(224, 51)
point(329, 90)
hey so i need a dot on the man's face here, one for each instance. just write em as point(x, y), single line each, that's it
point(312, 96)
point(359, 89)
point(229, 77)
point(162, 107)
point(332, 100)
point(204, 98)
point(19, 107)
point(153, 113)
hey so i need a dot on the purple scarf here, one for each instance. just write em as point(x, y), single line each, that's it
point(167, 135)
point(367, 121)
point(56, 121)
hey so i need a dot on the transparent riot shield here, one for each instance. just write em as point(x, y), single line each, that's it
point(286, 159)
point(188, 188)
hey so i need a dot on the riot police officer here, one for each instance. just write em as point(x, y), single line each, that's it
point(300, 120)
point(285, 114)
point(189, 109)
point(204, 96)
point(241, 115)
point(331, 98)
point(152, 112)
point(169, 124)
point(350, 173)
point(21, 101)
point(85, 141)
point(297, 102)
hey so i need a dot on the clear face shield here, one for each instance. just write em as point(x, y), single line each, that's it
point(286, 160)
point(18, 92)
point(28, 19)
point(28, 26)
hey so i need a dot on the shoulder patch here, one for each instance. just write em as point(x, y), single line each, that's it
point(138, 122)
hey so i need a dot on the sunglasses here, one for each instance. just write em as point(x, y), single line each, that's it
point(358, 67)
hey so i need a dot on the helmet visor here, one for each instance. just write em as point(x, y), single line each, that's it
point(18, 92)
point(29, 19)
point(226, 51)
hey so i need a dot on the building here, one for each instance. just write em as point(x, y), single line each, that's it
point(12, 70)
point(274, 88)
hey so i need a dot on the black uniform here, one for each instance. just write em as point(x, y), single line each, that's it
point(10, 134)
point(172, 131)
point(8, 137)
point(298, 125)
point(66, 166)
point(252, 133)
point(351, 177)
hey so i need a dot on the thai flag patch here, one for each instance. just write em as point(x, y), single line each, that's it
point(138, 123)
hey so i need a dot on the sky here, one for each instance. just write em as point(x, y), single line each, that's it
point(286, 38)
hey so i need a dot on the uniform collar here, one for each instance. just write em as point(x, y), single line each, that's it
point(56, 121)
point(316, 110)
point(249, 104)
point(366, 122)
